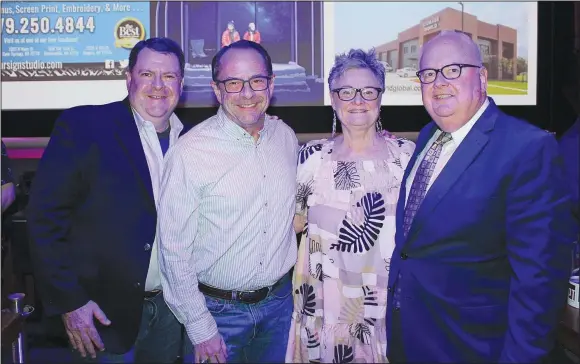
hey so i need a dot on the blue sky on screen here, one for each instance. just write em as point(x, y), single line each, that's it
point(384, 20)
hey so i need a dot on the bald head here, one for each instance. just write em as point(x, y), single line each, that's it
point(461, 46)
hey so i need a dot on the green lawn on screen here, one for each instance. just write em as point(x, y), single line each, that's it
point(507, 88)
point(495, 87)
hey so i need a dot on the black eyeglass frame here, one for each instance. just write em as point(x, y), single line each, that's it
point(440, 70)
point(358, 91)
point(268, 80)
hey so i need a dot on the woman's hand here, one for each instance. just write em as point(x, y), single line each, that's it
point(299, 223)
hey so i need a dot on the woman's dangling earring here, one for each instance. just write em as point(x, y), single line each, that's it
point(333, 125)
point(379, 125)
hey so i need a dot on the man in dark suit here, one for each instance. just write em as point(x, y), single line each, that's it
point(92, 215)
point(481, 263)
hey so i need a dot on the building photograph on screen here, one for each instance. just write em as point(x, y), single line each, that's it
point(505, 32)
point(79, 50)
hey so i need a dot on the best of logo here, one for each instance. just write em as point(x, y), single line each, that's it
point(128, 32)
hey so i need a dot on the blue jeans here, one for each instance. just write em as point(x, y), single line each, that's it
point(158, 340)
point(258, 332)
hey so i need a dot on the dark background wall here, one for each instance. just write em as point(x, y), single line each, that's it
point(552, 112)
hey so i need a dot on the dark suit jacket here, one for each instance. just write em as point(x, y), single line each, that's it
point(90, 214)
point(484, 268)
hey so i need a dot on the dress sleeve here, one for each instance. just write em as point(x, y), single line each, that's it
point(304, 283)
point(309, 159)
point(406, 150)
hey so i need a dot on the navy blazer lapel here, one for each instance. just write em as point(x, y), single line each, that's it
point(424, 136)
point(465, 154)
point(127, 135)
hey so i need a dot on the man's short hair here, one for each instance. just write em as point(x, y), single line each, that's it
point(241, 44)
point(160, 45)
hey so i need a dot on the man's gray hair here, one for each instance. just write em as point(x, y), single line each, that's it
point(460, 37)
point(357, 58)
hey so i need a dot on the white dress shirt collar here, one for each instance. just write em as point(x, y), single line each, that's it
point(233, 129)
point(174, 122)
point(462, 132)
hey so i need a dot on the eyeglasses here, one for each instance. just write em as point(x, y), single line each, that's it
point(235, 85)
point(349, 93)
point(450, 72)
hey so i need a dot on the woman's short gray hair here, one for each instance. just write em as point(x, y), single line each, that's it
point(357, 58)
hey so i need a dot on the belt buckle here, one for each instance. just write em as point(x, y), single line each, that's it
point(234, 295)
point(248, 297)
point(152, 294)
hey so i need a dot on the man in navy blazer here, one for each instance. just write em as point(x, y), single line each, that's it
point(92, 215)
point(484, 232)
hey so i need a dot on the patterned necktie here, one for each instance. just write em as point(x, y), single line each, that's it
point(421, 180)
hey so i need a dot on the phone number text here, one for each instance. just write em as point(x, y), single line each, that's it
point(45, 25)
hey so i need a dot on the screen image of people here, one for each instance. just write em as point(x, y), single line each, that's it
point(230, 35)
point(290, 31)
point(252, 34)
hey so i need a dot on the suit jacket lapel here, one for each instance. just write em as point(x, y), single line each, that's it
point(463, 156)
point(127, 135)
point(424, 136)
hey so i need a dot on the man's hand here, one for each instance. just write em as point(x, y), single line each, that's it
point(211, 351)
point(81, 330)
point(8, 195)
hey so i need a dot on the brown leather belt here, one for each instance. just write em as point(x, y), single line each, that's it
point(242, 296)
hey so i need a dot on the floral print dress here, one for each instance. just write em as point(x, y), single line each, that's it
point(340, 278)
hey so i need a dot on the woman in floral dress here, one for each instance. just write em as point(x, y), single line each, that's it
point(348, 187)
